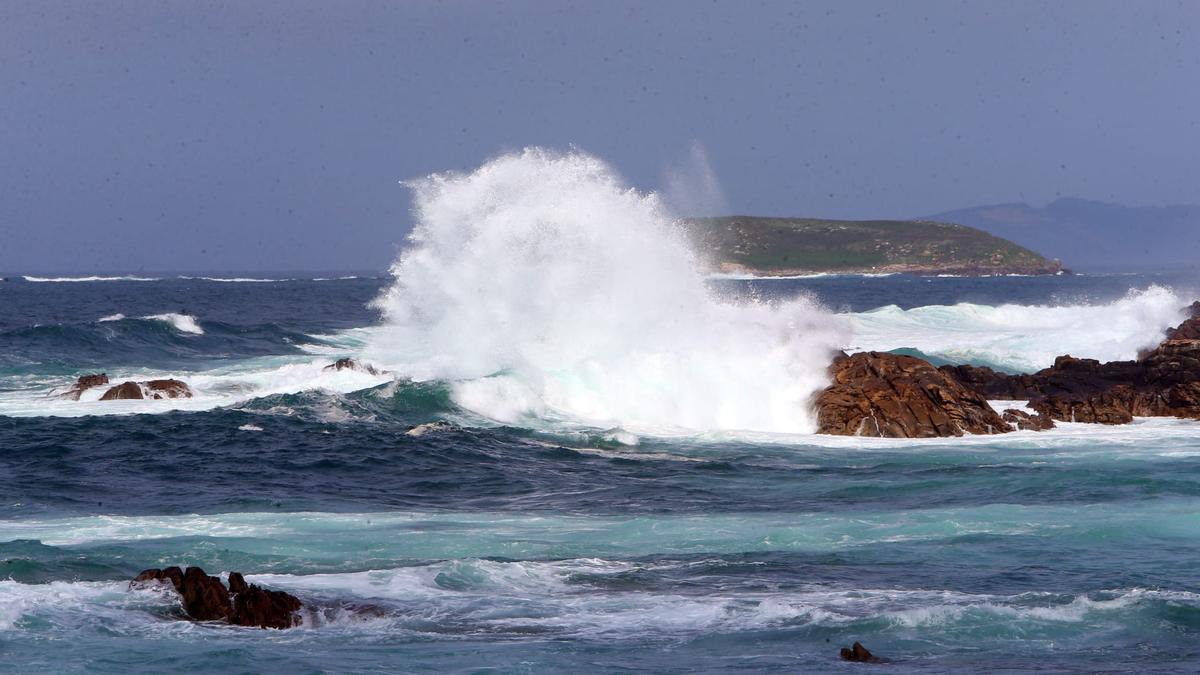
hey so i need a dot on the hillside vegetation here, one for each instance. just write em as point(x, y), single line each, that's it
point(782, 246)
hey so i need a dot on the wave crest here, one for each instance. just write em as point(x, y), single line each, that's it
point(545, 286)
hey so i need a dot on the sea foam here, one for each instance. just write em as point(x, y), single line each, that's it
point(1023, 337)
point(543, 286)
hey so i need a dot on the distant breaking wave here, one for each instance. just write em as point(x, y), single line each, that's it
point(183, 323)
point(1023, 337)
point(78, 279)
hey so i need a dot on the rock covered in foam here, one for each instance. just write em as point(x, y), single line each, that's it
point(84, 383)
point(1026, 422)
point(351, 364)
point(897, 396)
point(205, 598)
point(151, 389)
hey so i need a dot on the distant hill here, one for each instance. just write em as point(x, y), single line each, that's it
point(783, 246)
point(1093, 235)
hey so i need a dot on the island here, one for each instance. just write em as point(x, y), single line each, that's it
point(764, 246)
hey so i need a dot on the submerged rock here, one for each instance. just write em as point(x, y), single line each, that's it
point(84, 383)
point(205, 598)
point(897, 396)
point(351, 364)
point(152, 389)
point(858, 652)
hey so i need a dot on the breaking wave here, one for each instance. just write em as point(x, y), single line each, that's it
point(1023, 337)
point(546, 288)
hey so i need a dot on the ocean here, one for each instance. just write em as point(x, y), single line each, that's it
point(585, 456)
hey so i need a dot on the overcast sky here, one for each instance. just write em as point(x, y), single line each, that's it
point(252, 135)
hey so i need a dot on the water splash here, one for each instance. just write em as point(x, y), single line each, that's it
point(546, 288)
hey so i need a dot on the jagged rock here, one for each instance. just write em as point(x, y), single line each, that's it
point(1190, 329)
point(351, 364)
point(857, 652)
point(1026, 422)
point(1162, 382)
point(154, 389)
point(205, 598)
point(992, 384)
point(257, 606)
point(897, 396)
point(84, 383)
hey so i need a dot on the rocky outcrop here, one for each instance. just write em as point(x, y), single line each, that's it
point(859, 653)
point(992, 384)
point(152, 389)
point(896, 396)
point(84, 383)
point(205, 598)
point(351, 364)
point(1190, 329)
point(1026, 422)
point(1162, 382)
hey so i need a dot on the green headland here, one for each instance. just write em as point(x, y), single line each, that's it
point(791, 246)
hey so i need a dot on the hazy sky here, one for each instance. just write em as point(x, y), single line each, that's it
point(250, 135)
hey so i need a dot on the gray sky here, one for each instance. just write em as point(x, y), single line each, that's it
point(254, 135)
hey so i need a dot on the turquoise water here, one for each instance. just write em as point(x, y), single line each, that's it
point(479, 545)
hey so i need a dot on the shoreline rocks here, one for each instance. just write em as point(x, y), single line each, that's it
point(151, 389)
point(881, 394)
point(84, 383)
point(897, 396)
point(205, 598)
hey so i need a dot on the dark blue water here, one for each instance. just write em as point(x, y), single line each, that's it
point(548, 546)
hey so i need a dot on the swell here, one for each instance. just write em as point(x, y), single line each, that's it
point(151, 342)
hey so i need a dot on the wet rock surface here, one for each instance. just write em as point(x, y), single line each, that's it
point(84, 383)
point(897, 396)
point(205, 598)
point(351, 364)
point(1162, 382)
point(151, 389)
point(857, 652)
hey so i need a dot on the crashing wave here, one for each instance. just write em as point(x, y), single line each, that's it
point(544, 287)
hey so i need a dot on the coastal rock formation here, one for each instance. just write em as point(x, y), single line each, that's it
point(1190, 329)
point(155, 389)
point(1162, 382)
point(1026, 422)
point(992, 384)
point(351, 364)
point(896, 396)
point(859, 653)
point(84, 383)
point(205, 598)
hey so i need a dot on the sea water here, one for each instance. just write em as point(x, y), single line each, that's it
point(586, 454)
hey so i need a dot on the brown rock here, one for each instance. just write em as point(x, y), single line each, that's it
point(880, 394)
point(257, 606)
point(84, 383)
point(125, 390)
point(858, 653)
point(351, 364)
point(1190, 329)
point(992, 384)
point(1026, 422)
point(205, 598)
point(154, 389)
